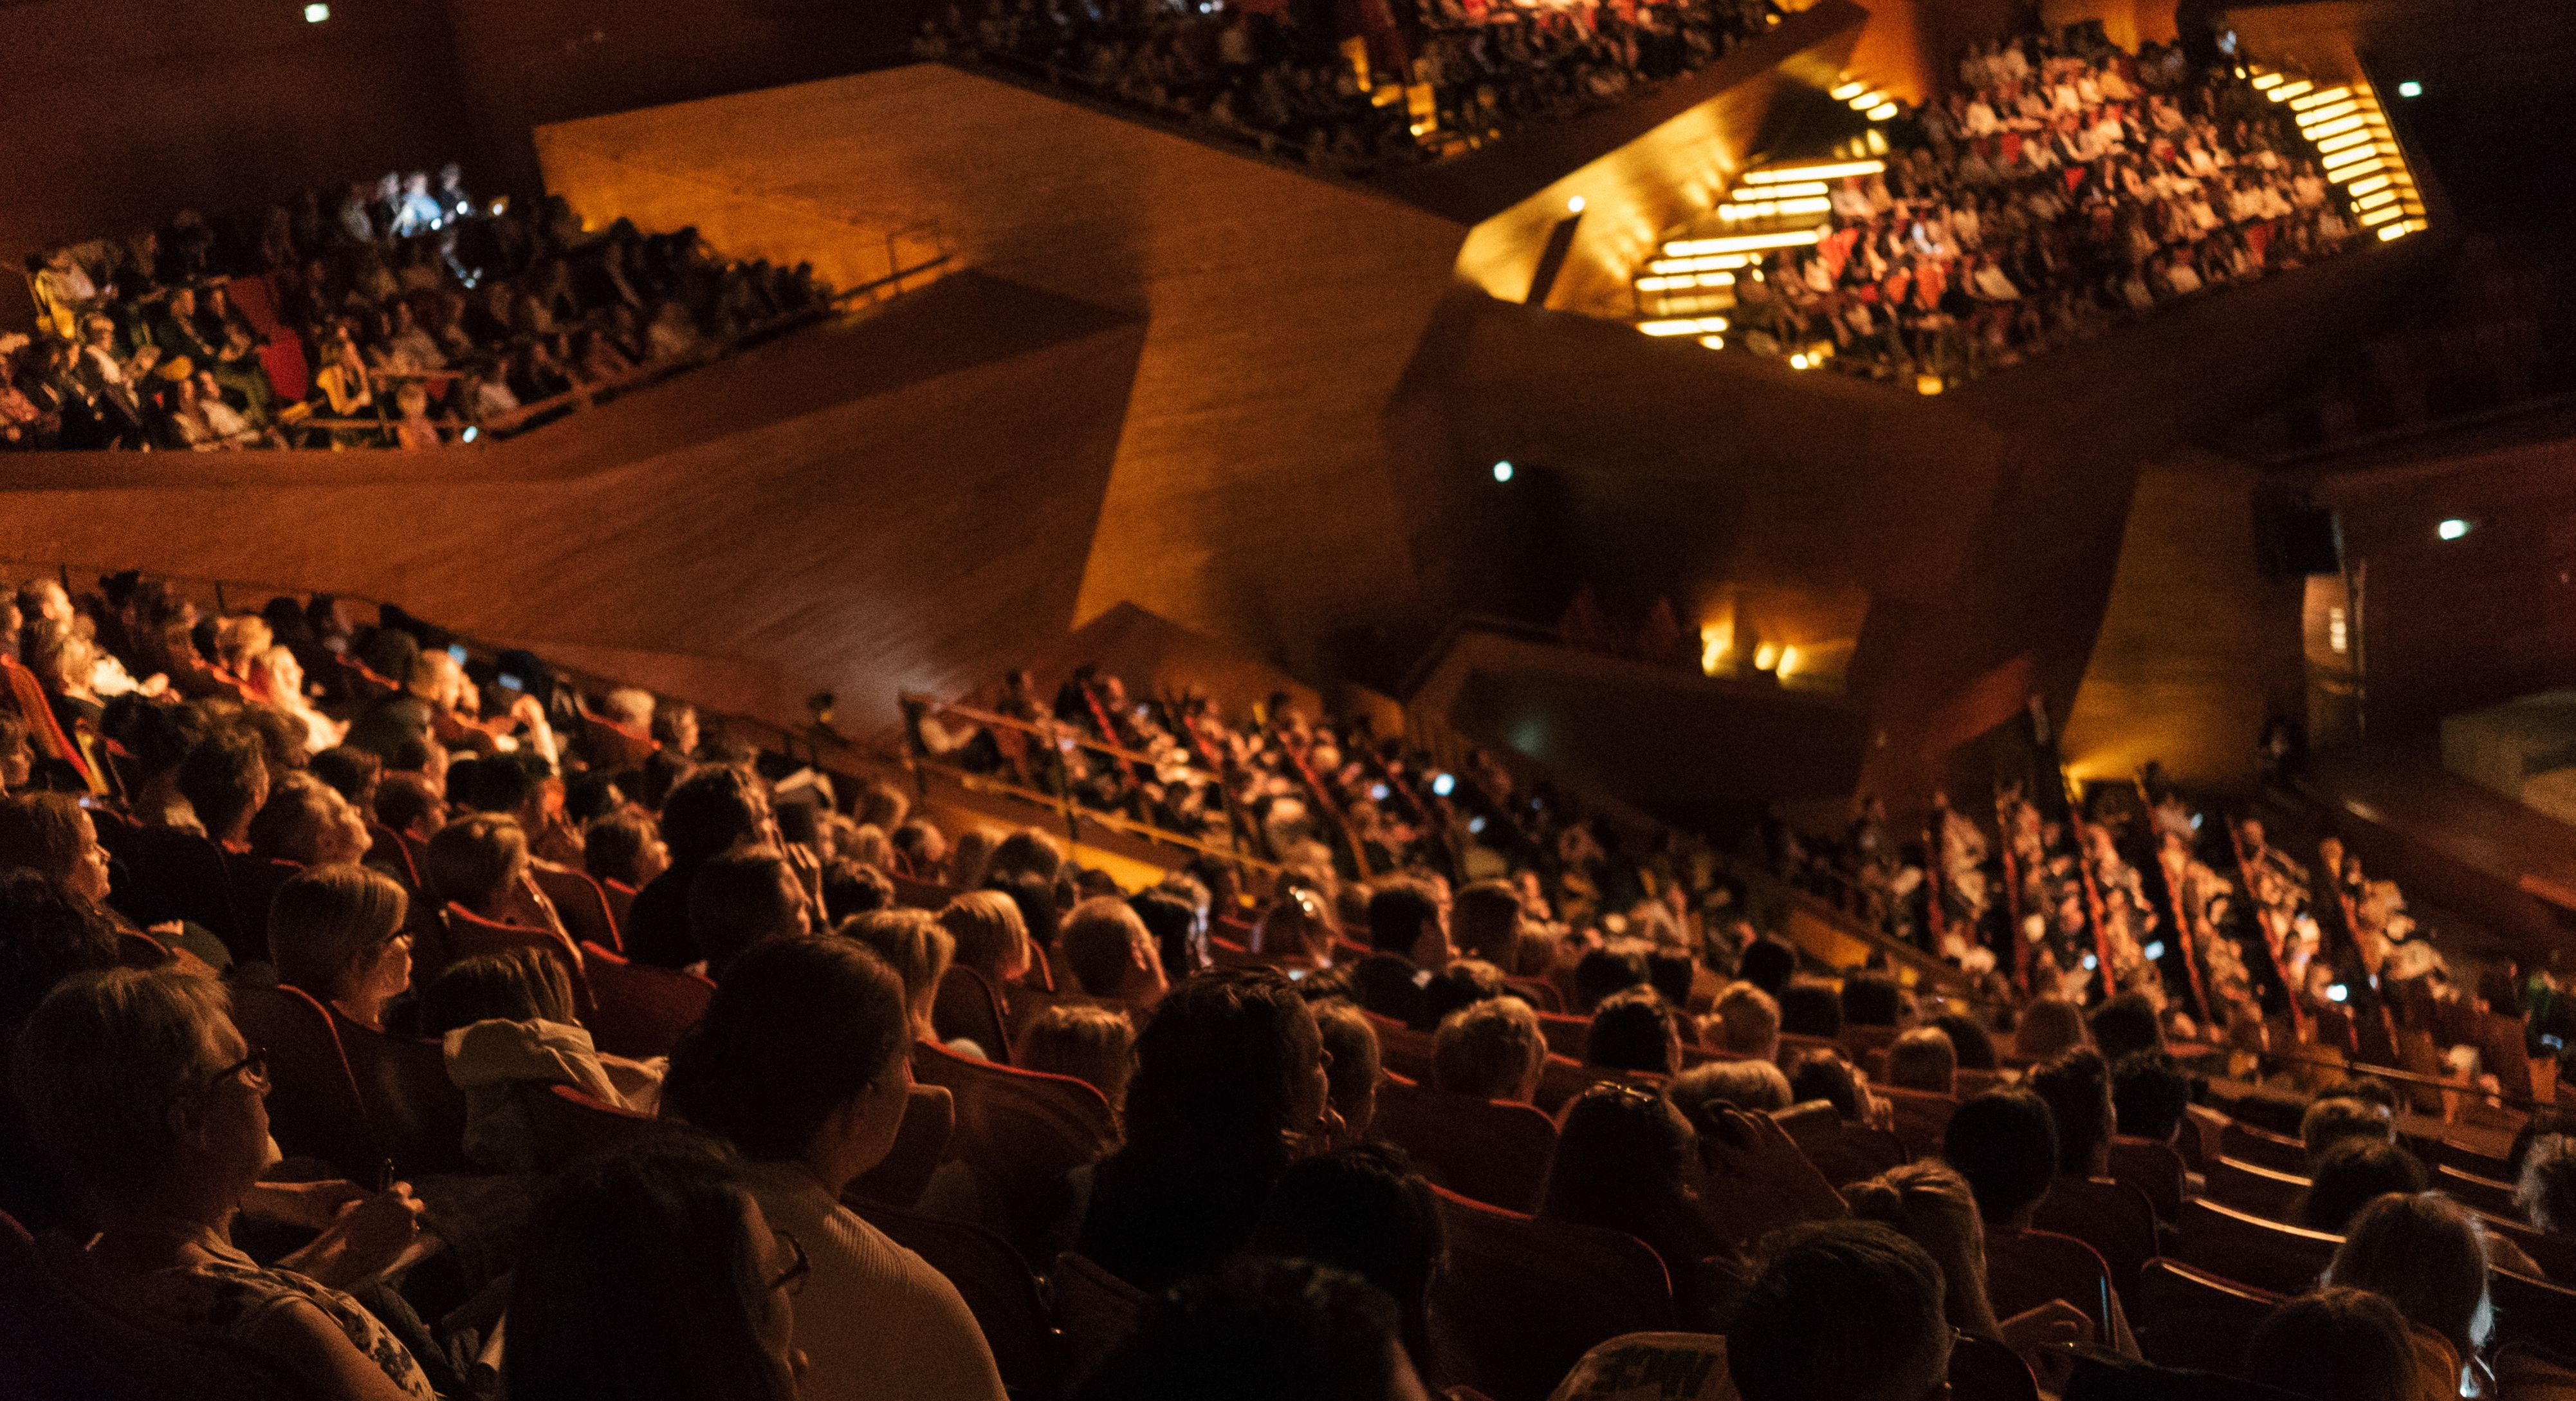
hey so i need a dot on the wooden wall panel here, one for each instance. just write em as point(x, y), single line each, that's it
point(1253, 494)
point(2196, 648)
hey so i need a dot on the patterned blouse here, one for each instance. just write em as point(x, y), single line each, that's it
point(234, 1294)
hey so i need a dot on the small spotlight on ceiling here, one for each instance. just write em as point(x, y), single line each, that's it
point(1442, 785)
point(315, 14)
point(2454, 528)
point(1502, 471)
point(472, 433)
point(2154, 951)
point(1574, 205)
point(2410, 88)
point(2339, 992)
point(1377, 792)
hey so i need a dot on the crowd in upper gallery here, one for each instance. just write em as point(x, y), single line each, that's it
point(403, 315)
point(1265, 1068)
point(2062, 187)
point(1278, 78)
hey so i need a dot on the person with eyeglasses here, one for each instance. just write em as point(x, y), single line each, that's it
point(802, 1064)
point(138, 1086)
point(652, 1274)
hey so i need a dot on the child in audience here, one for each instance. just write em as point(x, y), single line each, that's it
point(1096, 1045)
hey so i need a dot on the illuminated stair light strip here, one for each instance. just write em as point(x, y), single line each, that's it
point(2320, 99)
point(1781, 175)
point(1745, 243)
point(1803, 187)
point(1684, 326)
point(2287, 91)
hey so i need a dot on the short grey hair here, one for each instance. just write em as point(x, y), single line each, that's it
point(100, 1063)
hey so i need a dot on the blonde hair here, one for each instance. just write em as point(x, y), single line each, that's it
point(990, 935)
point(914, 946)
point(472, 858)
point(327, 926)
point(1747, 1018)
point(100, 1064)
point(1096, 1045)
point(1930, 1204)
point(434, 678)
point(240, 641)
point(1487, 1049)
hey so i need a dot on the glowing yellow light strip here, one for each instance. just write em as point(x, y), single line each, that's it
point(1713, 342)
point(2287, 91)
point(2344, 142)
point(2327, 114)
point(1803, 187)
point(1685, 326)
point(2320, 133)
point(1883, 111)
point(2320, 99)
point(2395, 231)
point(1867, 100)
point(2363, 187)
point(2380, 216)
point(2375, 201)
point(1745, 243)
point(1848, 91)
point(1731, 260)
point(2268, 80)
point(1785, 174)
point(2344, 158)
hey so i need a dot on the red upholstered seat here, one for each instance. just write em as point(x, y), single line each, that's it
point(1982, 1369)
point(64, 1341)
point(386, 852)
point(1791, 1046)
point(2484, 1193)
point(2185, 1316)
point(621, 902)
point(920, 1145)
point(566, 1124)
point(314, 1110)
point(1565, 1035)
point(1096, 1310)
point(2262, 1147)
point(1524, 1299)
point(469, 934)
point(1921, 1117)
point(1402, 1049)
point(921, 894)
point(2112, 1217)
point(609, 746)
point(2533, 1311)
point(44, 729)
point(1493, 1151)
point(1843, 1151)
point(639, 1010)
point(1561, 1078)
point(2153, 1168)
point(2257, 1191)
point(1019, 1130)
point(1538, 992)
point(417, 1113)
point(581, 905)
point(2250, 1250)
point(997, 1287)
point(967, 1006)
point(2025, 1269)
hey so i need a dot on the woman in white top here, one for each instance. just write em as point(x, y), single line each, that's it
point(274, 677)
point(802, 1062)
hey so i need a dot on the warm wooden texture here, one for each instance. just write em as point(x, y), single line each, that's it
point(2196, 648)
point(1253, 495)
point(899, 502)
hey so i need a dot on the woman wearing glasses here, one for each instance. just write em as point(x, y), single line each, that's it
point(138, 1086)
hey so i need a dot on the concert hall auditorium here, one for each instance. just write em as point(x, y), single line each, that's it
point(1287, 700)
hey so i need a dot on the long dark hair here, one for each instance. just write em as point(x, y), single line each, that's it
point(798, 1028)
point(1207, 1128)
point(633, 1286)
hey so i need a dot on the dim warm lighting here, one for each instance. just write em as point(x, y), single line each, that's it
point(2396, 231)
point(315, 14)
point(1798, 362)
point(2338, 636)
point(2268, 80)
point(1715, 641)
point(1883, 111)
point(1867, 100)
point(1684, 326)
point(2286, 91)
point(1782, 175)
point(1713, 342)
point(1574, 205)
point(1927, 385)
point(1788, 660)
point(1799, 190)
point(2410, 88)
point(1765, 657)
point(1745, 243)
point(2454, 528)
point(1848, 91)
point(2319, 99)
point(1502, 471)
